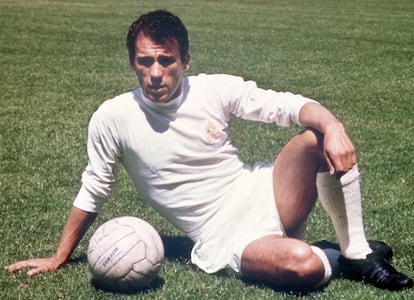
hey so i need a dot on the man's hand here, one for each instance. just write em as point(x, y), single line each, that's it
point(76, 225)
point(339, 151)
point(35, 265)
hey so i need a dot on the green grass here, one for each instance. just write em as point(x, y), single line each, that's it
point(60, 59)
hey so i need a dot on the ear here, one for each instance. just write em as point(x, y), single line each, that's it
point(187, 62)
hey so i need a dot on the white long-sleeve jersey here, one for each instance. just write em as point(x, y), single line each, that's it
point(178, 154)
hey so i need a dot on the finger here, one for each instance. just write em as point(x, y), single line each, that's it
point(330, 164)
point(19, 265)
point(14, 267)
point(34, 271)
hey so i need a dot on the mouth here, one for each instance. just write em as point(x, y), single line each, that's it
point(156, 89)
point(156, 92)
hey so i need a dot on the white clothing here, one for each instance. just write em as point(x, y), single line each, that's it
point(179, 154)
point(249, 213)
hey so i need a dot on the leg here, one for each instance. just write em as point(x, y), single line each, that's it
point(282, 262)
point(300, 174)
point(285, 261)
point(298, 168)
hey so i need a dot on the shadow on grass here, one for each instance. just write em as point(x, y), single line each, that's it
point(177, 247)
point(157, 283)
point(297, 291)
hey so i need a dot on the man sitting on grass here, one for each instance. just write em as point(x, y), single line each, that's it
point(171, 135)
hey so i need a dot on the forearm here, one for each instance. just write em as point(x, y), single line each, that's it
point(319, 117)
point(76, 225)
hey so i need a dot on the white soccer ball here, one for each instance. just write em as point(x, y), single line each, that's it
point(125, 254)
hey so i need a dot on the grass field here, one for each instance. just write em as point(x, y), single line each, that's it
point(60, 59)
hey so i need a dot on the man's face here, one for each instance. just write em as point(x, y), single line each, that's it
point(159, 68)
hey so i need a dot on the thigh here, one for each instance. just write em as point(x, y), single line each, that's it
point(281, 261)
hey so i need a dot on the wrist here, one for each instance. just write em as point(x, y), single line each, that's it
point(60, 258)
point(331, 127)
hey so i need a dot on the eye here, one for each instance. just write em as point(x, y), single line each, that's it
point(165, 61)
point(145, 61)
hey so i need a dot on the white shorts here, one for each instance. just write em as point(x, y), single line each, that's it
point(249, 214)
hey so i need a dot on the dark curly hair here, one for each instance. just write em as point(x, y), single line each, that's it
point(160, 26)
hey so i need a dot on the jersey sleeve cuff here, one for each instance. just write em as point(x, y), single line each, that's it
point(87, 202)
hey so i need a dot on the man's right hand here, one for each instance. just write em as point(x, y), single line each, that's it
point(76, 225)
point(35, 265)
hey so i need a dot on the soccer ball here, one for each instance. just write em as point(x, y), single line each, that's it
point(125, 254)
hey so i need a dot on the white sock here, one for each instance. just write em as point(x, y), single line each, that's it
point(325, 261)
point(341, 199)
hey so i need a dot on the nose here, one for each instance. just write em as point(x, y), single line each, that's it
point(156, 70)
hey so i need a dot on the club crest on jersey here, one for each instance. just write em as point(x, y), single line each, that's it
point(212, 133)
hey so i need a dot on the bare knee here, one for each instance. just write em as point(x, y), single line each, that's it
point(312, 140)
point(291, 264)
point(305, 264)
point(303, 151)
